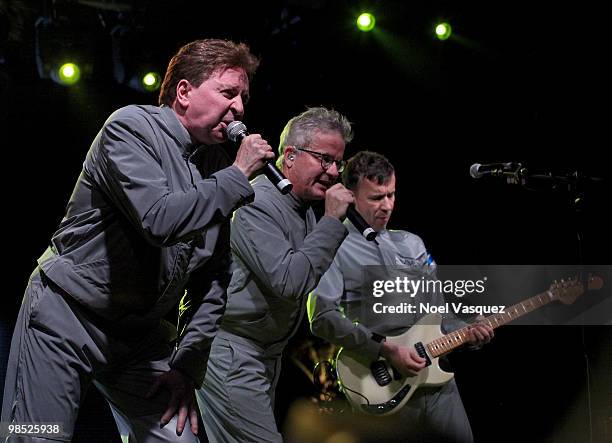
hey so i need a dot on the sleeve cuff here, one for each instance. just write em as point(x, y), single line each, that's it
point(333, 226)
point(372, 349)
point(192, 363)
point(233, 178)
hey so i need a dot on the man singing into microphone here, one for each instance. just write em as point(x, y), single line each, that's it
point(336, 307)
point(280, 252)
point(147, 220)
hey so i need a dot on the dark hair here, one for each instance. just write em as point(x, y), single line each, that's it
point(198, 60)
point(370, 165)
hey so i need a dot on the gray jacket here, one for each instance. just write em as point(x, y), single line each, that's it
point(148, 211)
point(280, 252)
point(340, 308)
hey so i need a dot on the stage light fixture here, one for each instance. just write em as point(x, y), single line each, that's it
point(61, 52)
point(366, 22)
point(133, 63)
point(443, 31)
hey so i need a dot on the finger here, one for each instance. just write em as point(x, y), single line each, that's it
point(182, 418)
point(415, 355)
point(473, 337)
point(486, 332)
point(416, 364)
point(193, 418)
point(170, 411)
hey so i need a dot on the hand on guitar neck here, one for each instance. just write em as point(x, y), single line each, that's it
point(407, 361)
point(480, 333)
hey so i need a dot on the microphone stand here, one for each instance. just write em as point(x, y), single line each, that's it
point(575, 183)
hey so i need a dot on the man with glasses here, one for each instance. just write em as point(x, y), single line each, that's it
point(280, 252)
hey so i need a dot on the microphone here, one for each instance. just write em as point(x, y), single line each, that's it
point(477, 170)
point(236, 131)
point(362, 226)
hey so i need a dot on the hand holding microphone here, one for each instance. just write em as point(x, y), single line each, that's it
point(254, 154)
point(339, 202)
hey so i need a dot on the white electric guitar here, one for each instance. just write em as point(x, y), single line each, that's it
point(378, 389)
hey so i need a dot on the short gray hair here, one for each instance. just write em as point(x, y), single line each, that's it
point(300, 130)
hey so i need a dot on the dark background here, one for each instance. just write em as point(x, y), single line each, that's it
point(517, 81)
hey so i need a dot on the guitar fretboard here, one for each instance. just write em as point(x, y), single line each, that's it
point(453, 340)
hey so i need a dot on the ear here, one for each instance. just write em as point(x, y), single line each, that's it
point(290, 153)
point(183, 88)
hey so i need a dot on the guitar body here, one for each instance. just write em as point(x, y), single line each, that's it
point(376, 388)
point(365, 392)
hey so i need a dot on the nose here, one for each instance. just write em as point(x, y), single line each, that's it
point(333, 170)
point(237, 107)
point(387, 204)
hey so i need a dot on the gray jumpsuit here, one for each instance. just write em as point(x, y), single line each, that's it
point(279, 254)
point(340, 311)
point(147, 220)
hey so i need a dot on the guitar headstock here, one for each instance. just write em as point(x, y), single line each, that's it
point(567, 291)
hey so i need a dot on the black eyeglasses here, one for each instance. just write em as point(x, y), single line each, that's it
point(326, 160)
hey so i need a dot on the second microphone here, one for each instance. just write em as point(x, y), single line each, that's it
point(236, 131)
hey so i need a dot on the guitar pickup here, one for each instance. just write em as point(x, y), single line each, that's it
point(380, 372)
point(420, 348)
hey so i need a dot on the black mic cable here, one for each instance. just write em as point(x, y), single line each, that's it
point(359, 222)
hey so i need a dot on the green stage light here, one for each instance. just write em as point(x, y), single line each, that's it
point(151, 81)
point(61, 52)
point(69, 74)
point(443, 31)
point(366, 22)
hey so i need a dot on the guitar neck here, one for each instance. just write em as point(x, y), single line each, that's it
point(453, 340)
